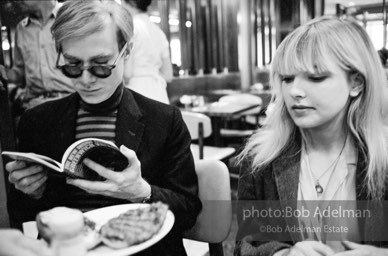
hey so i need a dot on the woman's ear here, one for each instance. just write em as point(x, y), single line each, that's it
point(128, 50)
point(357, 83)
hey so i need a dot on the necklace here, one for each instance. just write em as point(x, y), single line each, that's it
point(318, 186)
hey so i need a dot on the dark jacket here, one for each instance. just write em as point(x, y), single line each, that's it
point(278, 182)
point(155, 131)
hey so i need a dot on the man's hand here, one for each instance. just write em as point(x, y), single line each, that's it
point(127, 184)
point(31, 180)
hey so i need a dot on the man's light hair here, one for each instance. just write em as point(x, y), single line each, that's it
point(81, 18)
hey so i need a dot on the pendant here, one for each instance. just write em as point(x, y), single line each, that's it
point(319, 188)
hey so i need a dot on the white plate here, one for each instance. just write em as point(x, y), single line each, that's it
point(102, 215)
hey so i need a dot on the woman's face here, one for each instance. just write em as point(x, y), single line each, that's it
point(317, 100)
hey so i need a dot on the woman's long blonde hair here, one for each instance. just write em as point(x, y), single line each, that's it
point(311, 47)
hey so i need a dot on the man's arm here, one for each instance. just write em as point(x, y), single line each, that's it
point(23, 207)
point(180, 183)
point(175, 184)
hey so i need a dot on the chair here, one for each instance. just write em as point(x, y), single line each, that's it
point(4, 218)
point(250, 116)
point(214, 222)
point(200, 127)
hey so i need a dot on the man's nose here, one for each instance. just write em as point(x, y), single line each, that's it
point(87, 78)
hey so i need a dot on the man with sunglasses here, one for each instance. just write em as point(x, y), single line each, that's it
point(93, 42)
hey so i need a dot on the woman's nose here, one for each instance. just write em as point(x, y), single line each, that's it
point(297, 89)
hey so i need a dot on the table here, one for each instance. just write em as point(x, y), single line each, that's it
point(222, 109)
point(218, 111)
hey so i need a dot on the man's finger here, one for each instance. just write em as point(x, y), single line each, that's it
point(15, 165)
point(21, 174)
point(34, 187)
point(129, 154)
point(101, 170)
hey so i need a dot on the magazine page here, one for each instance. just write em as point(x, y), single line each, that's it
point(35, 158)
point(101, 151)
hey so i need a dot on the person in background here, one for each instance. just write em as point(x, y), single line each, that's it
point(92, 42)
point(324, 142)
point(14, 243)
point(149, 68)
point(34, 56)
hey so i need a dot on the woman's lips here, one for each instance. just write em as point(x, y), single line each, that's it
point(300, 107)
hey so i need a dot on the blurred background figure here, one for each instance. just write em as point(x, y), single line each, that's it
point(383, 54)
point(14, 243)
point(34, 71)
point(149, 68)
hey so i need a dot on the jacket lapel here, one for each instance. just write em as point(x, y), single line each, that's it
point(129, 127)
point(369, 223)
point(286, 169)
point(66, 114)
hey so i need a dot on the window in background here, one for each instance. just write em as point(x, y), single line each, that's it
point(202, 34)
point(370, 16)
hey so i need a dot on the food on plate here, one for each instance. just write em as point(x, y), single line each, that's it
point(91, 236)
point(62, 228)
point(134, 226)
point(60, 223)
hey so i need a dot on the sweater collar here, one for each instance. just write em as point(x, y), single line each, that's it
point(106, 106)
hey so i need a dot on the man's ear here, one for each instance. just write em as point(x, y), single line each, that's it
point(357, 83)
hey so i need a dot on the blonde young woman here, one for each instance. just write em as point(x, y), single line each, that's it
point(325, 141)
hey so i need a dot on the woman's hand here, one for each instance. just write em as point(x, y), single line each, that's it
point(355, 249)
point(307, 248)
point(31, 180)
point(127, 184)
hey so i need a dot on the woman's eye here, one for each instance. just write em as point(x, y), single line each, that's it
point(287, 79)
point(317, 78)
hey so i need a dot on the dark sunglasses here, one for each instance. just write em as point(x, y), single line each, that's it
point(101, 71)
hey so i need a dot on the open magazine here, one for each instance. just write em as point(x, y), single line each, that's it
point(104, 152)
